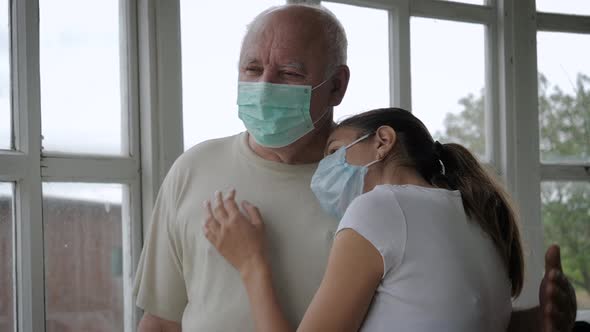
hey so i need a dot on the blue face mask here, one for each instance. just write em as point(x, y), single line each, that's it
point(336, 183)
point(276, 115)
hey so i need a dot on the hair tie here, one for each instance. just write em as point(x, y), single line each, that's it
point(438, 149)
point(442, 168)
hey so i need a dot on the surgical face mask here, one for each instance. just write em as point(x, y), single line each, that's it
point(336, 183)
point(276, 115)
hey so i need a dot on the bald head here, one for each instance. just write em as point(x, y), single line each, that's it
point(315, 25)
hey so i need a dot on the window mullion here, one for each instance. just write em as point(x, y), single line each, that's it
point(519, 127)
point(399, 56)
point(454, 11)
point(132, 198)
point(13, 166)
point(557, 172)
point(26, 106)
point(89, 169)
point(491, 109)
point(160, 93)
point(563, 23)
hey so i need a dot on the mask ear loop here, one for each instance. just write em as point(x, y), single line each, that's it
point(360, 139)
point(317, 86)
point(357, 140)
point(373, 162)
point(326, 112)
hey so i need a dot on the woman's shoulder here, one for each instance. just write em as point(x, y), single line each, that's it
point(380, 198)
point(377, 206)
point(415, 195)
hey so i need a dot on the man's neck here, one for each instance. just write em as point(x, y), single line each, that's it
point(308, 149)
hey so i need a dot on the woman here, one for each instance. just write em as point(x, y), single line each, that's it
point(427, 240)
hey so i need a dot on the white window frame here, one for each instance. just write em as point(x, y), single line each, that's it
point(27, 167)
point(575, 172)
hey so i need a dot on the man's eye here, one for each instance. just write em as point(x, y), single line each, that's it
point(292, 74)
point(253, 70)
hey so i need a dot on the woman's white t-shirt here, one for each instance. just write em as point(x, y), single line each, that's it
point(441, 271)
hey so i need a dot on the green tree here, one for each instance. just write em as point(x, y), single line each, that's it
point(564, 137)
point(467, 126)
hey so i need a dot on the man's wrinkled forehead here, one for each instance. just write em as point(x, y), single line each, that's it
point(291, 37)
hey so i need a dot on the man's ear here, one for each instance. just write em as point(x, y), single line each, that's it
point(339, 81)
point(385, 139)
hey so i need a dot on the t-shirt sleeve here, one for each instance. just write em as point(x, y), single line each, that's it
point(159, 283)
point(378, 217)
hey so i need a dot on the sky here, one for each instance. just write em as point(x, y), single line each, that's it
point(80, 81)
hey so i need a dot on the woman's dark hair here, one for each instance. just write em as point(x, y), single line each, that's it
point(453, 167)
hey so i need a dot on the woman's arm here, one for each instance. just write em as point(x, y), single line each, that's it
point(266, 309)
point(354, 271)
point(240, 240)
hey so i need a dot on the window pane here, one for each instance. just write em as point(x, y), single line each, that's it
point(210, 73)
point(5, 113)
point(367, 31)
point(448, 80)
point(83, 257)
point(566, 221)
point(80, 88)
point(6, 259)
point(564, 96)
point(578, 7)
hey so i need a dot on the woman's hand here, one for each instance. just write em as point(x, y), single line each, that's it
point(239, 238)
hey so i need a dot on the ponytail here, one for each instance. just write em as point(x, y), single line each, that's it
point(452, 166)
point(486, 202)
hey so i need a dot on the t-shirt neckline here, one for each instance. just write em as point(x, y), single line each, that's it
point(245, 150)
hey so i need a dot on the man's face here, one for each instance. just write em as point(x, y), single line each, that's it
point(284, 49)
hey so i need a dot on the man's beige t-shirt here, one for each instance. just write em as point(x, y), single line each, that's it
point(181, 277)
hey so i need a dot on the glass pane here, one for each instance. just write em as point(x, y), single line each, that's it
point(5, 113)
point(448, 80)
point(80, 83)
point(564, 96)
point(6, 259)
point(566, 212)
point(367, 31)
point(578, 7)
point(210, 75)
point(83, 257)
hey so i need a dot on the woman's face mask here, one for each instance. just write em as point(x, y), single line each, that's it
point(336, 182)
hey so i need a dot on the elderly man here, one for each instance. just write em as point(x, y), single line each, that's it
point(181, 279)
